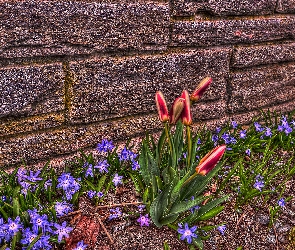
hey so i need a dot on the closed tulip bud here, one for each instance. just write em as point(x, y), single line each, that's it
point(162, 107)
point(210, 160)
point(186, 115)
point(176, 109)
point(201, 88)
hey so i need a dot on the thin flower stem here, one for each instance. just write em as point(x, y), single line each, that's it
point(189, 147)
point(189, 179)
point(104, 229)
point(168, 138)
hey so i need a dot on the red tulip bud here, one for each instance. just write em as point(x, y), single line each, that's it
point(176, 109)
point(199, 91)
point(186, 115)
point(210, 160)
point(162, 107)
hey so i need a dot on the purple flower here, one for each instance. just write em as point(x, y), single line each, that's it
point(258, 127)
point(91, 194)
point(115, 213)
point(80, 246)
point(218, 129)
point(33, 177)
point(248, 151)
point(135, 165)
point(14, 226)
point(141, 207)
point(281, 202)
point(144, 220)
point(28, 236)
point(199, 141)
point(234, 124)
point(102, 166)
point(89, 171)
point(221, 229)
point(47, 184)
point(259, 183)
point(268, 132)
point(243, 134)
point(117, 180)
point(105, 146)
point(215, 138)
point(41, 221)
point(226, 138)
point(63, 208)
point(126, 155)
point(21, 174)
point(62, 230)
point(187, 233)
point(99, 194)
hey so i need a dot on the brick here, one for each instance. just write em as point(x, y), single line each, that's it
point(224, 7)
point(31, 90)
point(263, 54)
point(44, 145)
point(220, 32)
point(286, 6)
point(33, 28)
point(108, 88)
point(12, 126)
point(247, 118)
point(260, 88)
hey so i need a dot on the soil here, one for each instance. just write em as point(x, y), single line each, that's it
point(248, 227)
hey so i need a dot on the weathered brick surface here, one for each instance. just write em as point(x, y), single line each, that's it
point(220, 32)
point(31, 90)
point(52, 143)
point(105, 88)
point(263, 54)
point(257, 88)
point(224, 7)
point(12, 126)
point(286, 6)
point(61, 27)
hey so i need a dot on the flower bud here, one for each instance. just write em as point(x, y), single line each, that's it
point(199, 91)
point(176, 110)
point(162, 107)
point(186, 115)
point(210, 160)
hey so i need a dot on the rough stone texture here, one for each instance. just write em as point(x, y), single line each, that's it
point(31, 90)
point(223, 7)
point(263, 54)
point(11, 126)
point(56, 142)
point(257, 88)
point(105, 88)
point(30, 28)
point(286, 6)
point(220, 32)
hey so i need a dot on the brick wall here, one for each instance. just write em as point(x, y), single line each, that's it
point(75, 72)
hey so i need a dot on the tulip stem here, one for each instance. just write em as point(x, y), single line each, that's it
point(189, 147)
point(189, 179)
point(169, 142)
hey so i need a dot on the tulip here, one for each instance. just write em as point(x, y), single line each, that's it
point(199, 91)
point(186, 115)
point(162, 107)
point(176, 109)
point(210, 160)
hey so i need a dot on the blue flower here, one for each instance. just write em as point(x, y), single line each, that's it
point(135, 165)
point(80, 246)
point(14, 226)
point(248, 151)
point(258, 127)
point(243, 134)
point(99, 194)
point(187, 233)
point(221, 229)
point(105, 146)
point(115, 213)
point(268, 132)
point(91, 194)
point(89, 171)
point(281, 202)
point(218, 129)
point(62, 230)
point(234, 124)
point(215, 138)
point(102, 166)
point(259, 182)
point(117, 179)
point(63, 208)
point(33, 177)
